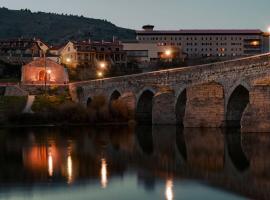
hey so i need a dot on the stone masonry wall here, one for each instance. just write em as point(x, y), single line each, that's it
point(205, 106)
point(256, 117)
point(164, 108)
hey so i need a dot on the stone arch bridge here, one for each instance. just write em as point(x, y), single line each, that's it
point(223, 94)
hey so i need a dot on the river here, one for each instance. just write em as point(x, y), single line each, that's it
point(119, 162)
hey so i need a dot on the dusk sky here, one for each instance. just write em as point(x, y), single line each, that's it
point(164, 14)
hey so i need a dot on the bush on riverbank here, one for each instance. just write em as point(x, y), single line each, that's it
point(61, 110)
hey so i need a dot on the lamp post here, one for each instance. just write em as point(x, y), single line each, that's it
point(45, 71)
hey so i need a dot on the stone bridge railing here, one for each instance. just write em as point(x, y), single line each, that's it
point(214, 94)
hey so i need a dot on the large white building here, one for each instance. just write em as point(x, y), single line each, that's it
point(209, 43)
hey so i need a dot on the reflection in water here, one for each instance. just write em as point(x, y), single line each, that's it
point(50, 163)
point(145, 139)
point(181, 143)
point(169, 190)
point(103, 173)
point(146, 155)
point(237, 156)
point(69, 169)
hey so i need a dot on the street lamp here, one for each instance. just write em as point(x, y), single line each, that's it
point(68, 60)
point(100, 74)
point(168, 52)
point(102, 65)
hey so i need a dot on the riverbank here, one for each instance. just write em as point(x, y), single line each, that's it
point(60, 110)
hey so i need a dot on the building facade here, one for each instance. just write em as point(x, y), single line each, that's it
point(151, 52)
point(21, 51)
point(209, 43)
point(90, 53)
point(39, 70)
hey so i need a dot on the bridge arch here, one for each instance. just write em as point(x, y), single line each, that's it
point(237, 102)
point(180, 107)
point(115, 95)
point(144, 107)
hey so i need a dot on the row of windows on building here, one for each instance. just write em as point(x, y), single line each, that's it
point(210, 49)
point(191, 38)
point(196, 44)
point(89, 57)
point(217, 55)
point(88, 48)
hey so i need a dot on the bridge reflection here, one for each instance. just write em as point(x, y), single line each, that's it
point(221, 158)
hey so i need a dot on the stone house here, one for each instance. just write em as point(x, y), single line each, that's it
point(41, 70)
point(21, 51)
point(90, 53)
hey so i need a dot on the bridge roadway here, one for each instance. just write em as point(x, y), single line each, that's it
point(223, 94)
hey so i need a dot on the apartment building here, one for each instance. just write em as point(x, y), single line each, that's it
point(209, 43)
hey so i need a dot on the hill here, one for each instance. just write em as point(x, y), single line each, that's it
point(57, 28)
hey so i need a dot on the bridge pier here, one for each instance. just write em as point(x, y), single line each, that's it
point(205, 106)
point(256, 117)
point(129, 101)
point(164, 108)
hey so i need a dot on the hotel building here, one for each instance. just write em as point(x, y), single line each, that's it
point(209, 43)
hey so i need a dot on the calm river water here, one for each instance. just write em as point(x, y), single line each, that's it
point(133, 163)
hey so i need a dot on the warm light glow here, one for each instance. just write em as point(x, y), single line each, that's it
point(99, 74)
point(255, 43)
point(50, 164)
point(168, 52)
point(102, 65)
point(268, 29)
point(103, 172)
point(49, 71)
point(69, 169)
point(68, 60)
point(169, 189)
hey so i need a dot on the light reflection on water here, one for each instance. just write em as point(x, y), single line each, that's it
point(169, 189)
point(103, 173)
point(141, 163)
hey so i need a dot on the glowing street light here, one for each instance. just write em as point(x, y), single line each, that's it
point(68, 60)
point(168, 52)
point(268, 29)
point(100, 74)
point(102, 65)
point(49, 71)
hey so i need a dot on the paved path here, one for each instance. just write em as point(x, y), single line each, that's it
point(28, 107)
